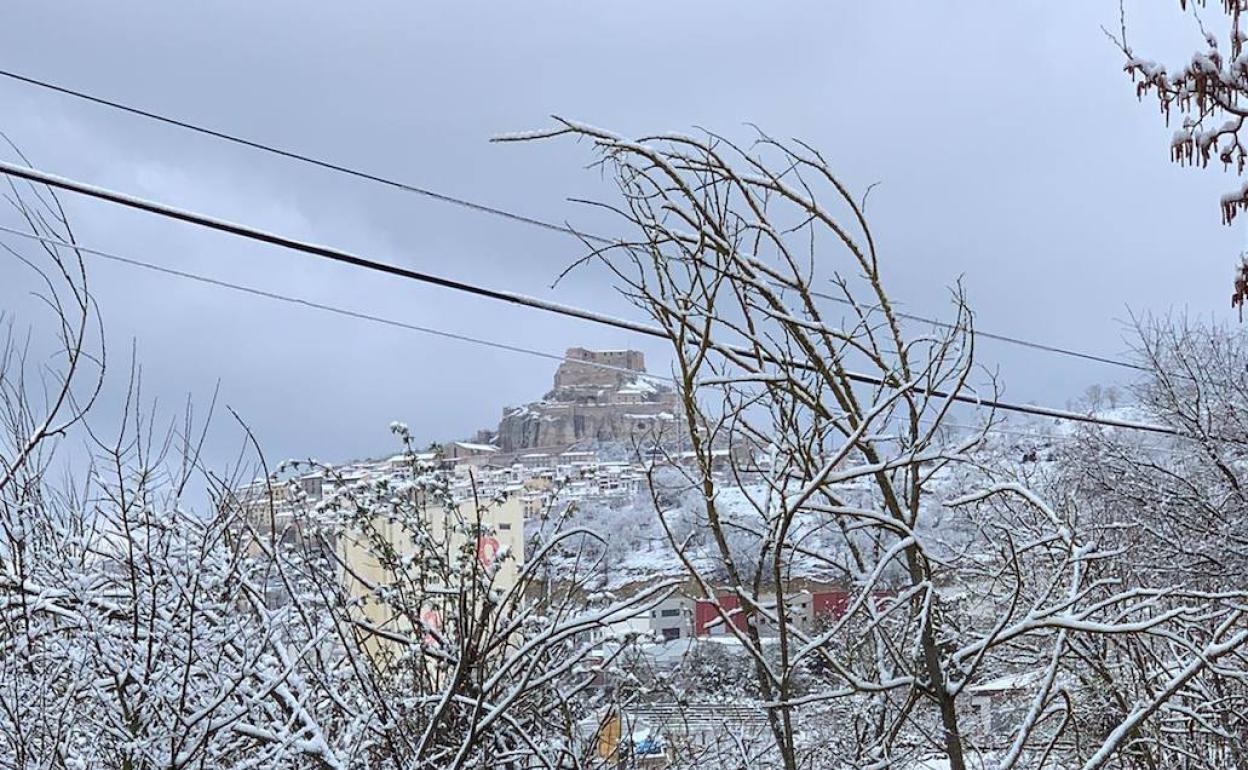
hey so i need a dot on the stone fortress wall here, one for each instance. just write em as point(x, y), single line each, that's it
point(588, 402)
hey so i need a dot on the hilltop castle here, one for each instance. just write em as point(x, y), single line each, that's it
point(598, 395)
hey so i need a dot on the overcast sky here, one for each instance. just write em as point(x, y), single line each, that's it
point(1010, 148)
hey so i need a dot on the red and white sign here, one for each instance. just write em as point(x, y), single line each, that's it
point(432, 620)
point(487, 550)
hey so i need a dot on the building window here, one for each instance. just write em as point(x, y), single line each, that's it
point(670, 634)
point(670, 613)
point(504, 526)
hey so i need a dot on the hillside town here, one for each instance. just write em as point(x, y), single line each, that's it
point(514, 491)
point(511, 496)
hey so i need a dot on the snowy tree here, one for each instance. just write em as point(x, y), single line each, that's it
point(139, 634)
point(1175, 509)
point(1207, 97)
point(157, 613)
point(132, 632)
point(39, 404)
point(831, 422)
point(456, 667)
point(1207, 93)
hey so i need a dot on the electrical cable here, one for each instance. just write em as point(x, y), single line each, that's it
point(346, 257)
point(492, 210)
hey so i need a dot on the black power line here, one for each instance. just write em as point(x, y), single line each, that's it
point(432, 331)
point(487, 209)
point(114, 257)
point(292, 155)
point(355, 260)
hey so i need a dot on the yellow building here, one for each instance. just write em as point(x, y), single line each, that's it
point(402, 571)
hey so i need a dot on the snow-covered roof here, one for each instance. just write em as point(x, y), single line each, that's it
point(1009, 682)
point(476, 447)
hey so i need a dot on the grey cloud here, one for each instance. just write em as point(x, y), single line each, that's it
point(1010, 148)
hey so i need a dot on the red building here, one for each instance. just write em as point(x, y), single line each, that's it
point(706, 617)
point(805, 607)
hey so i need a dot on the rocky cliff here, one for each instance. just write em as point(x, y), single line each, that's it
point(597, 395)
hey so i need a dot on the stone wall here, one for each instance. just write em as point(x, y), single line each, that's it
point(586, 370)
